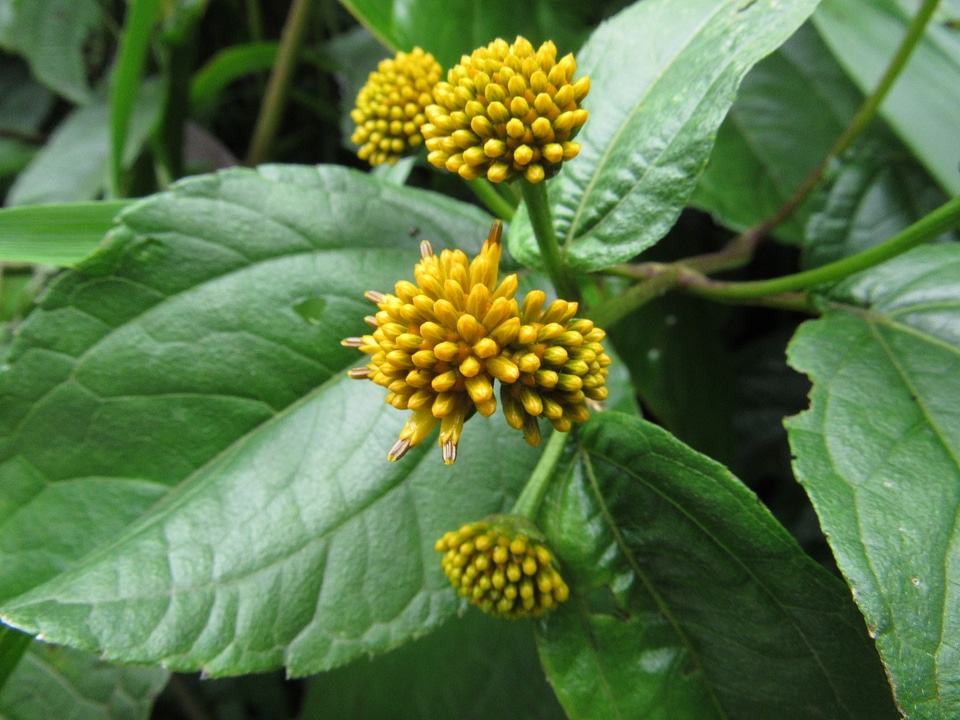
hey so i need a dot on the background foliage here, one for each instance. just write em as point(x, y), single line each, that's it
point(189, 482)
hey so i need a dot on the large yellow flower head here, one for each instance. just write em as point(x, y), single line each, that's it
point(507, 110)
point(504, 569)
point(437, 345)
point(390, 107)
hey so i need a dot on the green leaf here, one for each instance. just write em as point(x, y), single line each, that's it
point(923, 104)
point(790, 110)
point(473, 668)
point(878, 454)
point(874, 195)
point(55, 234)
point(688, 600)
point(51, 36)
point(13, 644)
point(24, 104)
point(663, 75)
point(192, 351)
point(226, 66)
point(74, 165)
point(58, 682)
point(451, 28)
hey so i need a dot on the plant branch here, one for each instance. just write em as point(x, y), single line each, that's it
point(271, 111)
point(494, 201)
point(538, 208)
point(529, 501)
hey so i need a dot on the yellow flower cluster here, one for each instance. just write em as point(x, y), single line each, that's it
point(507, 110)
point(501, 570)
point(438, 345)
point(390, 107)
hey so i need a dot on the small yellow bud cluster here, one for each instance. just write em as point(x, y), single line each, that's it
point(439, 345)
point(501, 570)
point(390, 107)
point(507, 110)
point(562, 364)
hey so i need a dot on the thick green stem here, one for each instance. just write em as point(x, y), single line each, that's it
point(538, 208)
point(271, 111)
point(944, 218)
point(494, 201)
point(530, 499)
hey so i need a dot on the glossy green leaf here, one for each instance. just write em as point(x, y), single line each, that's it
point(191, 351)
point(74, 165)
point(473, 668)
point(451, 28)
point(874, 195)
point(663, 75)
point(923, 104)
point(689, 600)
point(878, 454)
point(55, 234)
point(51, 36)
point(58, 682)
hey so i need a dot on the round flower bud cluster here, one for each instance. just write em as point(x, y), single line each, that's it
point(439, 344)
point(390, 107)
point(507, 110)
point(562, 365)
point(502, 570)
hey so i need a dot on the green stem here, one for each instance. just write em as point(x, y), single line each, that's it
point(538, 208)
point(748, 240)
point(271, 111)
point(944, 218)
point(494, 201)
point(529, 501)
point(612, 310)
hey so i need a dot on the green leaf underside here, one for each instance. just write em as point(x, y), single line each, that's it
point(663, 75)
point(879, 454)
point(863, 35)
point(59, 682)
point(689, 599)
point(55, 234)
point(475, 667)
point(180, 354)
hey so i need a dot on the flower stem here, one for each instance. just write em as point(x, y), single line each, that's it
point(530, 499)
point(538, 207)
point(944, 218)
point(494, 201)
point(271, 111)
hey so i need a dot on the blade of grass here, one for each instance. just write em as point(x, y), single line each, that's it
point(55, 234)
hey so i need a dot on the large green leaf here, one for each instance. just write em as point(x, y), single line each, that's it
point(450, 29)
point(923, 105)
point(59, 682)
point(74, 164)
point(473, 668)
point(688, 599)
point(51, 35)
point(879, 454)
point(663, 75)
point(200, 347)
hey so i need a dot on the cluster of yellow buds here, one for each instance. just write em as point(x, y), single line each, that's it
point(390, 107)
point(504, 111)
point(438, 346)
point(507, 110)
point(501, 569)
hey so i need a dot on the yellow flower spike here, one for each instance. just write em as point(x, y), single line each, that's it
point(439, 344)
point(502, 566)
point(571, 367)
point(390, 108)
point(506, 110)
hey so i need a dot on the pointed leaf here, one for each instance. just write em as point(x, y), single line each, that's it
point(689, 600)
point(200, 346)
point(663, 75)
point(879, 454)
point(55, 234)
point(58, 682)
